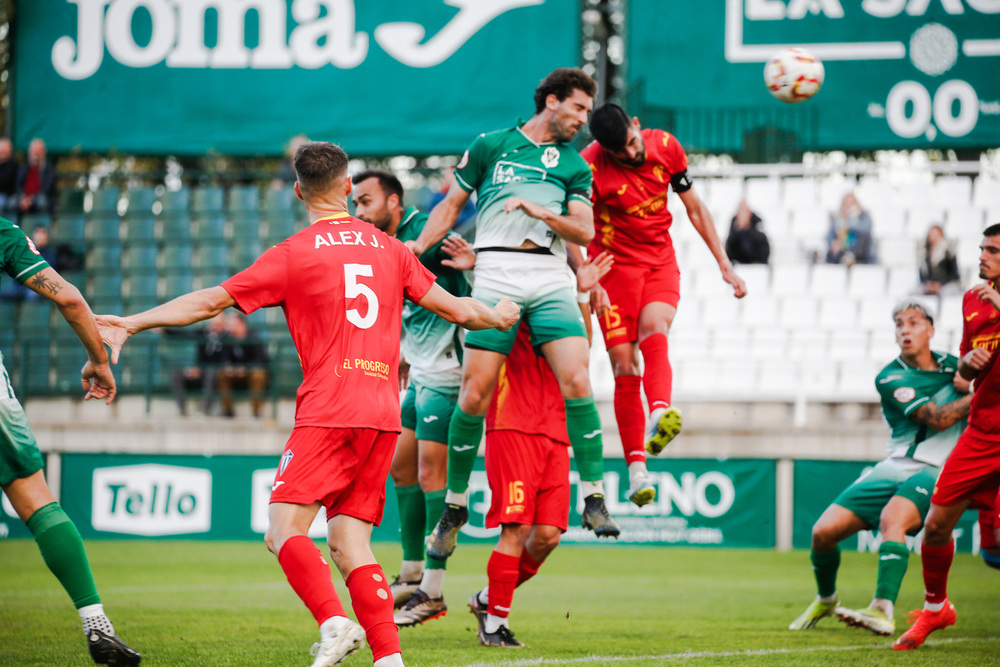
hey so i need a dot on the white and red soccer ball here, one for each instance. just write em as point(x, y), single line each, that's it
point(793, 75)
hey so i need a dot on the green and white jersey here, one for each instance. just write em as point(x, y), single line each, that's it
point(20, 260)
point(904, 389)
point(506, 163)
point(431, 345)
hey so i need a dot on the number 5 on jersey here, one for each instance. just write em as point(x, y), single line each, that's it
point(352, 289)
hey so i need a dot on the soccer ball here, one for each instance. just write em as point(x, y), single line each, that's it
point(793, 75)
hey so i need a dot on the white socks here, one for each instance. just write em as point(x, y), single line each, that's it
point(637, 471)
point(452, 498)
point(394, 660)
point(433, 582)
point(493, 623)
point(93, 618)
point(590, 488)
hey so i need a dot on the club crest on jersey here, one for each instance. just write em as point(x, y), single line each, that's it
point(550, 158)
point(904, 394)
point(286, 458)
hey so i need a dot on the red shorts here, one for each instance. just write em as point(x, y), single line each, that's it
point(343, 468)
point(630, 288)
point(529, 480)
point(972, 472)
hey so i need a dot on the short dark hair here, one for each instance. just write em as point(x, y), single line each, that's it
point(561, 83)
point(992, 230)
point(388, 182)
point(609, 126)
point(319, 165)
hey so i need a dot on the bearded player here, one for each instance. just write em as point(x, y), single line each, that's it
point(633, 169)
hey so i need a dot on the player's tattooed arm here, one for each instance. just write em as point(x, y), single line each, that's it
point(940, 417)
point(44, 284)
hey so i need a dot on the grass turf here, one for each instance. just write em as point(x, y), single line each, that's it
point(208, 604)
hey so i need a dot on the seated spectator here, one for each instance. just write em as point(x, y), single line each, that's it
point(938, 266)
point(210, 357)
point(36, 181)
point(849, 240)
point(245, 366)
point(8, 174)
point(747, 243)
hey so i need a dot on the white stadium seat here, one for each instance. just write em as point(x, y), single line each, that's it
point(828, 279)
point(848, 344)
point(720, 311)
point(953, 190)
point(778, 380)
point(798, 312)
point(808, 343)
point(756, 276)
point(865, 280)
point(875, 312)
point(903, 281)
point(838, 312)
point(760, 309)
point(857, 380)
point(763, 195)
point(986, 192)
point(789, 279)
point(800, 193)
point(730, 343)
point(769, 343)
point(874, 192)
point(897, 251)
point(887, 222)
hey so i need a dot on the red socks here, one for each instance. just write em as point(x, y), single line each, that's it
point(527, 568)
point(503, 572)
point(630, 417)
point(372, 604)
point(937, 563)
point(657, 376)
point(309, 574)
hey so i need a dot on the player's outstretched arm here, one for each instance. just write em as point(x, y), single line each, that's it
point(701, 219)
point(180, 312)
point(577, 226)
point(96, 376)
point(470, 313)
point(940, 417)
point(441, 218)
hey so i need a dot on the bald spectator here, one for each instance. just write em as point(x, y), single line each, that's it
point(36, 181)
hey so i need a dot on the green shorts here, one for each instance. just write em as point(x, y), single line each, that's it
point(872, 491)
point(427, 411)
point(544, 288)
point(19, 454)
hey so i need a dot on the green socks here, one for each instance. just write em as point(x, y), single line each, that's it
point(893, 559)
point(434, 502)
point(412, 519)
point(63, 552)
point(465, 432)
point(825, 568)
point(584, 428)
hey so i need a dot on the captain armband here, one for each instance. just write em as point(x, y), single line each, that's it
point(681, 182)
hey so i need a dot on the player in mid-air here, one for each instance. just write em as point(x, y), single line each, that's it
point(633, 170)
point(925, 403)
point(432, 349)
point(534, 200)
point(527, 465)
point(21, 462)
point(971, 475)
point(341, 284)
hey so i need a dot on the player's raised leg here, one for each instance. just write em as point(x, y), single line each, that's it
point(836, 524)
point(569, 359)
point(480, 370)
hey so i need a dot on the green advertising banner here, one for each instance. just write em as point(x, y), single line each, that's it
point(702, 502)
point(241, 77)
point(818, 483)
point(899, 73)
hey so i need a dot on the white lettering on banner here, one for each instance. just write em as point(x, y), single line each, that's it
point(152, 499)
point(260, 499)
point(178, 35)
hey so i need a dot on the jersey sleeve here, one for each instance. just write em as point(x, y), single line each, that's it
point(966, 345)
point(417, 279)
point(579, 184)
point(898, 392)
point(472, 168)
point(264, 283)
point(21, 259)
point(675, 160)
point(589, 155)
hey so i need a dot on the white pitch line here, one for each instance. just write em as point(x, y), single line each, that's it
point(688, 655)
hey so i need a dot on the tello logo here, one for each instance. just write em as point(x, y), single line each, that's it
point(152, 499)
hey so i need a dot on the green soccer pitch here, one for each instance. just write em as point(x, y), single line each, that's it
point(208, 604)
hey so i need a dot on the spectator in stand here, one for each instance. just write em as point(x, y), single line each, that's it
point(210, 357)
point(245, 366)
point(849, 240)
point(747, 243)
point(36, 181)
point(8, 173)
point(938, 265)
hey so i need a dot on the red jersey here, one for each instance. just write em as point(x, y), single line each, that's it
point(630, 203)
point(981, 328)
point(527, 398)
point(341, 283)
